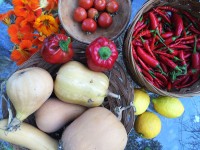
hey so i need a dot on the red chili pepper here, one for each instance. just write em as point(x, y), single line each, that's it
point(187, 79)
point(178, 24)
point(167, 55)
point(193, 29)
point(187, 55)
point(147, 47)
point(179, 46)
point(138, 30)
point(164, 67)
point(168, 8)
point(183, 77)
point(195, 78)
point(169, 86)
point(146, 74)
point(187, 42)
point(195, 57)
point(143, 33)
point(139, 69)
point(190, 17)
point(190, 37)
point(164, 15)
point(148, 59)
point(161, 77)
point(134, 54)
point(198, 46)
point(159, 82)
point(144, 66)
point(152, 43)
point(167, 42)
point(136, 42)
point(170, 63)
point(57, 49)
point(139, 23)
point(101, 54)
point(173, 52)
point(167, 35)
point(182, 57)
point(154, 21)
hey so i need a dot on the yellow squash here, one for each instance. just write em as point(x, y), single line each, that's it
point(28, 136)
point(76, 84)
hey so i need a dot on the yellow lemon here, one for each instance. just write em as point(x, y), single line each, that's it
point(141, 101)
point(148, 125)
point(169, 107)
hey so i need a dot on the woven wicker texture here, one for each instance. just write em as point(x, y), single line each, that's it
point(119, 84)
point(189, 5)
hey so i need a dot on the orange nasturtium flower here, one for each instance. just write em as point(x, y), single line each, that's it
point(17, 34)
point(23, 52)
point(27, 9)
point(46, 24)
point(5, 18)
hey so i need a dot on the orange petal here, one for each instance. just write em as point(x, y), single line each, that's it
point(25, 44)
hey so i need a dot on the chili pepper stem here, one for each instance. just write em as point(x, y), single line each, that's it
point(109, 93)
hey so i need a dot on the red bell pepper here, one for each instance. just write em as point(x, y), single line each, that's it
point(101, 54)
point(57, 49)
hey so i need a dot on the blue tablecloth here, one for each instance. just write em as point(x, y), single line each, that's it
point(177, 134)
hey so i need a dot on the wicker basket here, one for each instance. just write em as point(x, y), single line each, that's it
point(119, 84)
point(189, 5)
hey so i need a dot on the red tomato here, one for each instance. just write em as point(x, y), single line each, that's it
point(86, 4)
point(93, 13)
point(80, 14)
point(104, 20)
point(112, 6)
point(89, 25)
point(100, 5)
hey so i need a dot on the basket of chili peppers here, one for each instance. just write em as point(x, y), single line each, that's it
point(162, 47)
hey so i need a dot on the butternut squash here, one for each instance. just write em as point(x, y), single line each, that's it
point(54, 114)
point(76, 84)
point(95, 129)
point(28, 89)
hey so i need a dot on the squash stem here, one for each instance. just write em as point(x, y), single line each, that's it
point(14, 125)
point(113, 95)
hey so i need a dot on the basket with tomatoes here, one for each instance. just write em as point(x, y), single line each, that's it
point(86, 20)
point(163, 48)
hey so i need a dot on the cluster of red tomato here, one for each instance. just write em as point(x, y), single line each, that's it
point(93, 13)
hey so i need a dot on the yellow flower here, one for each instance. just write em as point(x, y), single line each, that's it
point(46, 24)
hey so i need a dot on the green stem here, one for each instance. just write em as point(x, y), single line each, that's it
point(64, 44)
point(195, 45)
point(104, 52)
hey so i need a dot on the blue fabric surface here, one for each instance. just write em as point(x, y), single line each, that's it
point(176, 134)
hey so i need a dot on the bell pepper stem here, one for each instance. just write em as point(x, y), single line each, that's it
point(118, 97)
point(64, 44)
point(104, 52)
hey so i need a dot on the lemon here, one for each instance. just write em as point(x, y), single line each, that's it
point(148, 125)
point(169, 107)
point(141, 101)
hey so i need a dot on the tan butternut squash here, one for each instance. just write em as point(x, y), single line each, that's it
point(28, 89)
point(95, 129)
point(54, 114)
